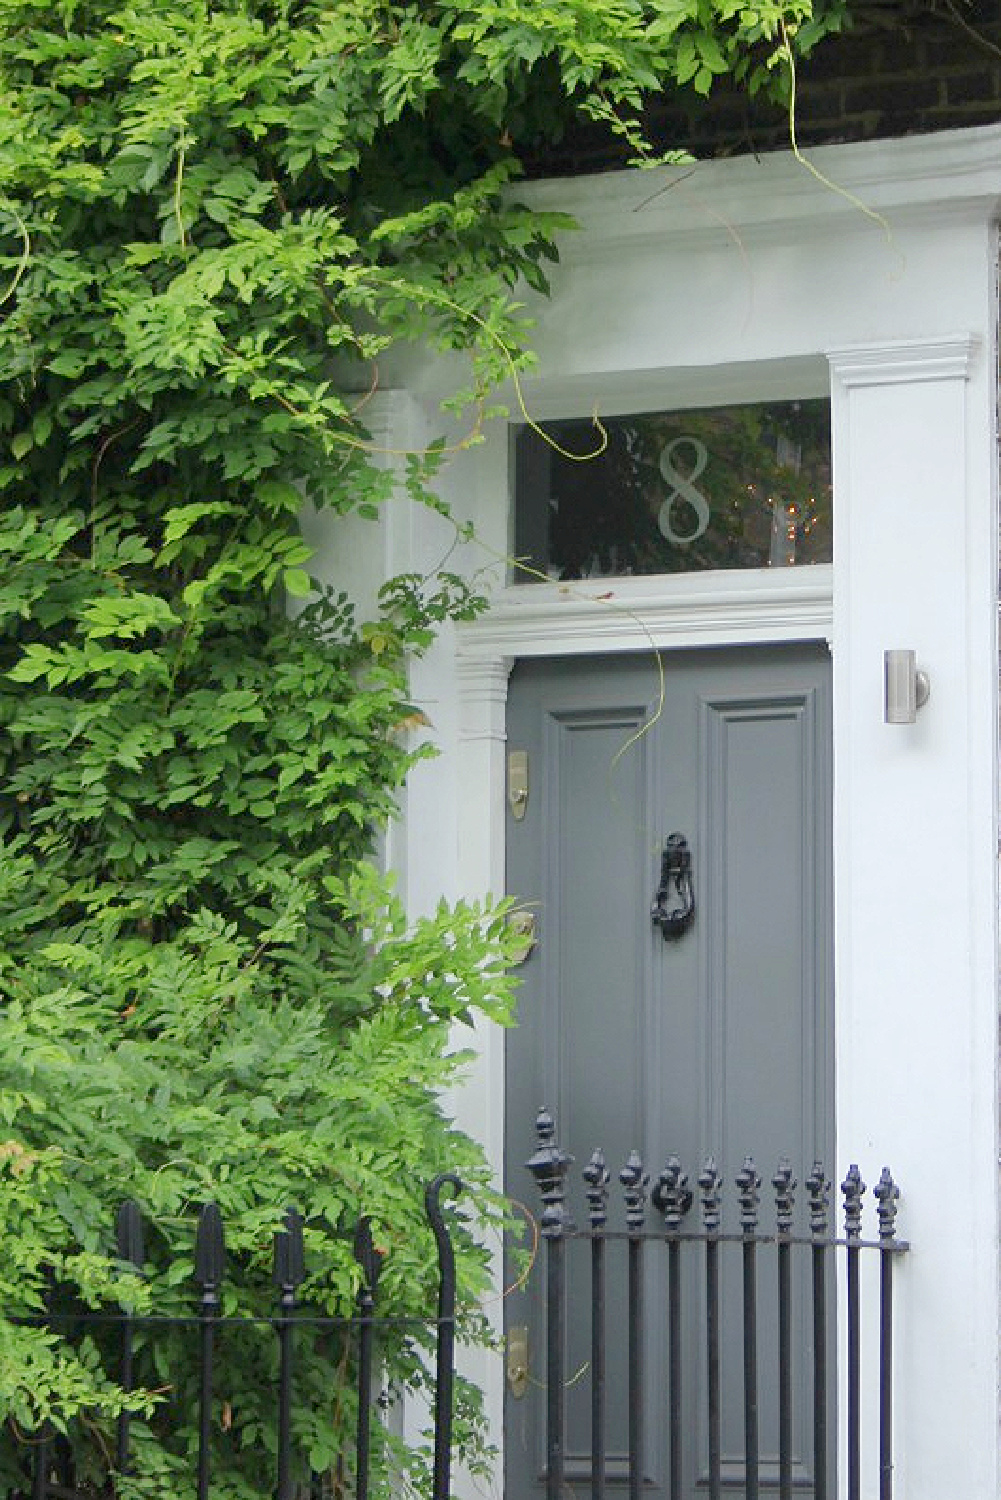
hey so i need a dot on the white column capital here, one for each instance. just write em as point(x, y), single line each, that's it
point(482, 688)
point(946, 358)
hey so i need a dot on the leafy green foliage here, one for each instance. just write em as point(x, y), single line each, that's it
point(213, 222)
point(232, 1067)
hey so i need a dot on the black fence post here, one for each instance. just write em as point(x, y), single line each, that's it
point(289, 1274)
point(370, 1262)
point(784, 1184)
point(819, 1189)
point(635, 1182)
point(711, 1189)
point(853, 1188)
point(210, 1262)
point(748, 1183)
point(672, 1198)
point(549, 1166)
point(445, 1344)
point(597, 1177)
point(886, 1193)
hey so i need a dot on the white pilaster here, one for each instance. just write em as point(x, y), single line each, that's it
point(914, 878)
point(479, 1104)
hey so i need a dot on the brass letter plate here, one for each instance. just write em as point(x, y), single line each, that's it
point(523, 924)
point(517, 1361)
point(517, 783)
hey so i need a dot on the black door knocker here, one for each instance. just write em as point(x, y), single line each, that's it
point(673, 906)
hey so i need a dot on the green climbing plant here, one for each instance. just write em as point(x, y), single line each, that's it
point(215, 219)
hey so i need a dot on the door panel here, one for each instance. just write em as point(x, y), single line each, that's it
point(719, 1041)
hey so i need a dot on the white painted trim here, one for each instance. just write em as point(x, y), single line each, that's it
point(482, 686)
point(629, 614)
point(552, 397)
point(863, 181)
point(948, 358)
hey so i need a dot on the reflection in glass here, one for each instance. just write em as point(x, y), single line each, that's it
point(675, 492)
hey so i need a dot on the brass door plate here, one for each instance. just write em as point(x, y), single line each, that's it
point(523, 925)
point(517, 783)
point(517, 1361)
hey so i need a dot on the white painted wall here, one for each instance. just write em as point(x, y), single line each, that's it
point(913, 864)
point(754, 280)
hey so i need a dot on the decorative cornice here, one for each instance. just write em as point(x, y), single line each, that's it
point(947, 358)
point(891, 177)
point(635, 614)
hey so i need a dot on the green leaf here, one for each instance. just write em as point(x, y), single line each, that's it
point(70, 365)
point(297, 582)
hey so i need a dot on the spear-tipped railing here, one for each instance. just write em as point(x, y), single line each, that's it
point(815, 1248)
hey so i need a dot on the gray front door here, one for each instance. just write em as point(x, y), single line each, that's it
point(720, 1041)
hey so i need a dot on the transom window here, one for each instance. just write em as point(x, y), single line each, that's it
point(674, 492)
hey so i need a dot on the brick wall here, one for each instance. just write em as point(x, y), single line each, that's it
point(905, 66)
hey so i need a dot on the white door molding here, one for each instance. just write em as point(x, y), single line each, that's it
point(635, 614)
point(948, 358)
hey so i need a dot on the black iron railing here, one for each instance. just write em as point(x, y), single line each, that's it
point(673, 1199)
point(52, 1465)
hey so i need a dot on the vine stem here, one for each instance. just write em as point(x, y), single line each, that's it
point(25, 259)
point(182, 146)
point(821, 177)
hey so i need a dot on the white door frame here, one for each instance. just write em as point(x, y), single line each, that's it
point(721, 609)
point(894, 793)
point(738, 281)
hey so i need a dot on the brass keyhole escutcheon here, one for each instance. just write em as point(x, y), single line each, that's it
point(517, 1361)
point(523, 925)
point(517, 783)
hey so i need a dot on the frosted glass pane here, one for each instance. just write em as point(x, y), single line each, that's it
point(674, 492)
